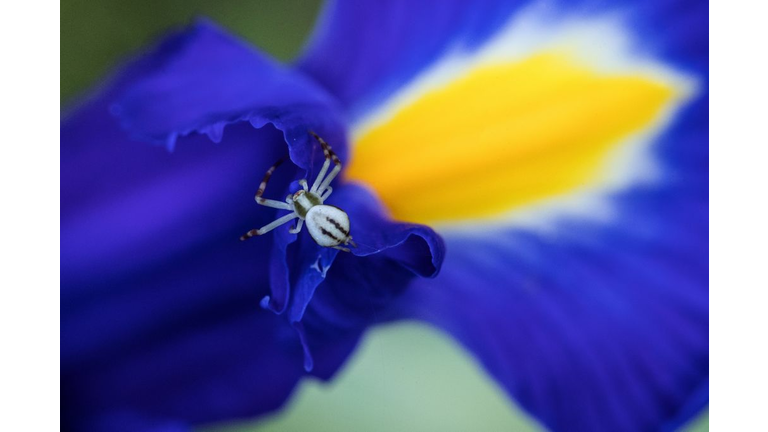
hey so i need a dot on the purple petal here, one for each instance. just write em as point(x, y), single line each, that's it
point(160, 316)
point(160, 312)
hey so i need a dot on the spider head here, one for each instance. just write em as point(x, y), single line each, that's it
point(303, 201)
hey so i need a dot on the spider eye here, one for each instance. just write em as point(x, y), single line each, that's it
point(298, 194)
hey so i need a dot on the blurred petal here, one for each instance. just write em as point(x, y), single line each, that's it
point(130, 422)
point(159, 298)
point(380, 47)
point(561, 151)
point(417, 248)
point(596, 327)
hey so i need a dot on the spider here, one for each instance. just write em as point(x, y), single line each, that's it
point(328, 225)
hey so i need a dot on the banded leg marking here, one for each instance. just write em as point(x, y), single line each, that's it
point(327, 181)
point(264, 182)
point(274, 204)
point(317, 185)
point(269, 227)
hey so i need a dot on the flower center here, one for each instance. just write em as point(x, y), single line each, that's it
point(506, 136)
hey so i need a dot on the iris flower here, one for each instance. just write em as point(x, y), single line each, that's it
point(530, 177)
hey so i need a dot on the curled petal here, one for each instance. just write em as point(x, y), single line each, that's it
point(344, 298)
point(204, 79)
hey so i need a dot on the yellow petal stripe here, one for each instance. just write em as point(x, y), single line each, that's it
point(504, 136)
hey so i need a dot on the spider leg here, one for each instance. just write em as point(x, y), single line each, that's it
point(327, 181)
point(327, 193)
point(297, 228)
point(269, 227)
point(273, 203)
point(303, 183)
point(264, 182)
point(323, 170)
point(317, 186)
point(348, 242)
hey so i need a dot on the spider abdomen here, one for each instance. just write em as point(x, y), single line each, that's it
point(328, 225)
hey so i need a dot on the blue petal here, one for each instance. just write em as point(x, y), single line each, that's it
point(204, 79)
point(379, 47)
point(601, 328)
point(130, 422)
point(159, 298)
point(360, 283)
point(212, 80)
point(161, 326)
point(160, 322)
point(594, 326)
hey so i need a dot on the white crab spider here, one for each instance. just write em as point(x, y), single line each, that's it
point(328, 225)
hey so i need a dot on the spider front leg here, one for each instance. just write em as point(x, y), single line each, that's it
point(327, 193)
point(321, 183)
point(334, 172)
point(263, 186)
point(274, 204)
point(269, 227)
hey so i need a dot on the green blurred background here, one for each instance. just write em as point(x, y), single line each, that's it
point(404, 377)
